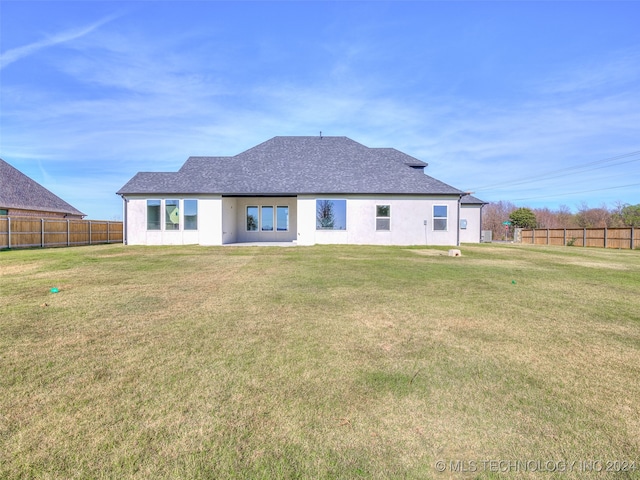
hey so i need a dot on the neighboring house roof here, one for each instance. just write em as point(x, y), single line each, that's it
point(293, 166)
point(20, 192)
point(471, 200)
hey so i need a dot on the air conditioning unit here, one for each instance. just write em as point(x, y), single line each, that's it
point(486, 236)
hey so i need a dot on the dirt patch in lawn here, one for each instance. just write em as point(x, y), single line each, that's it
point(430, 253)
point(18, 269)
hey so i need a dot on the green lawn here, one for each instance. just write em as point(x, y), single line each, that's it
point(319, 362)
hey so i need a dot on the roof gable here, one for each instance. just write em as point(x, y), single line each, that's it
point(469, 199)
point(297, 165)
point(21, 192)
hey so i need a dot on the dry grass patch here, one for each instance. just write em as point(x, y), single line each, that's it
point(319, 362)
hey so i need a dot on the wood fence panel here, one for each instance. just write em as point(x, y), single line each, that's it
point(540, 236)
point(556, 237)
point(4, 232)
point(620, 238)
point(116, 232)
point(28, 232)
point(575, 237)
point(55, 233)
point(78, 232)
point(595, 237)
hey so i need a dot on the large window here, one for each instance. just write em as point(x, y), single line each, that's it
point(439, 217)
point(267, 218)
point(383, 217)
point(171, 215)
point(252, 219)
point(282, 218)
point(331, 214)
point(153, 214)
point(191, 214)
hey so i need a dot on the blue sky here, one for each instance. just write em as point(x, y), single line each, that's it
point(537, 103)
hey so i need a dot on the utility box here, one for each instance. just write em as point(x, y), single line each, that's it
point(486, 236)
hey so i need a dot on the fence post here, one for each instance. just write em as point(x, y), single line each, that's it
point(42, 232)
point(108, 223)
point(605, 237)
point(564, 237)
point(632, 239)
point(9, 236)
point(68, 234)
point(547, 236)
point(89, 232)
point(584, 238)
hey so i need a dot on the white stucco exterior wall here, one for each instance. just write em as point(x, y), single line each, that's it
point(229, 220)
point(209, 222)
point(408, 214)
point(221, 220)
point(242, 235)
point(473, 215)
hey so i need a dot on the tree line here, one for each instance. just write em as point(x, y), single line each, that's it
point(495, 214)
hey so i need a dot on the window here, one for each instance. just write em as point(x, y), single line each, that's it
point(4, 211)
point(252, 219)
point(439, 217)
point(331, 214)
point(153, 214)
point(282, 219)
point(383, 217)
point(191, 214)
point(267, 219)
point(171, 215)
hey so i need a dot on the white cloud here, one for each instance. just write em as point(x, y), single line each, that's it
point(18, 53)
point(147, 103)
point(617, 69)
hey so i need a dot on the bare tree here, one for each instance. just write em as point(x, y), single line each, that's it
point(592, 217)
point(546, 218)
point(564, 217)
point(494, 214)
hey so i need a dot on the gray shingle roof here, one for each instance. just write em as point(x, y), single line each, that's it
point(20, 192)
point(471, 200)
point(296, 165)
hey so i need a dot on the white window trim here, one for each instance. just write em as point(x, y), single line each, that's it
point(275, 227)
point(434, 218)
point(346, 215)
point(146, 215)
point(181, 217)
point(383, 218)
point(246, 217)
point(183, 223)
point(273, 212)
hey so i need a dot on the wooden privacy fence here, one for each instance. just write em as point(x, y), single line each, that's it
point(583, 237)
point(29, 232)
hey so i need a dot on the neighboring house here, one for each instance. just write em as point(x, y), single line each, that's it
point(471, 219)
point(21, 196)
point(306, 190)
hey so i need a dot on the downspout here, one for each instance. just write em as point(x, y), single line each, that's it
point(458, 222)
point(481, 207)
point(124, 219)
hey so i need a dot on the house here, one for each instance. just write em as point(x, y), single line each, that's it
point(21, 196)
point(471, 219)
point(304, 190)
